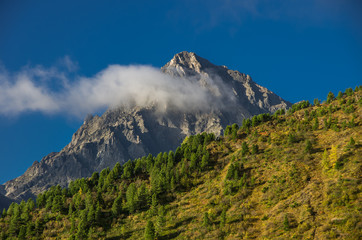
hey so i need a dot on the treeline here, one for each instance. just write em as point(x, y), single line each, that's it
point(346, 105)
point(139, 185)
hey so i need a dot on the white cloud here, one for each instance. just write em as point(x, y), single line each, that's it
point(51, 91)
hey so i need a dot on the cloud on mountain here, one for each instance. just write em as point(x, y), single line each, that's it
point(57, 90)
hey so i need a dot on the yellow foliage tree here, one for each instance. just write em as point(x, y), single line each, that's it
point(325, 160)
point(333, 156)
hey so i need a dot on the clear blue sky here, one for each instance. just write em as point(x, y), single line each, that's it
point(299, 49)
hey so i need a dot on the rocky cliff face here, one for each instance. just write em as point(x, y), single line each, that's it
point(4, 201)
point(250, 97)
point(130, 132)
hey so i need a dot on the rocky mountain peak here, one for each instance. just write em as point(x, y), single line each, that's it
point(188, 62)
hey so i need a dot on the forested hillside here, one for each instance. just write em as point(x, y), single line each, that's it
point(290, 175)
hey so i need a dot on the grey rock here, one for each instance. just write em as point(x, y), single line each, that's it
point(4, 201)
point(127, 133)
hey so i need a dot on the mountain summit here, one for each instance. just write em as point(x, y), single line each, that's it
point(254, 98)
point(127, 133)
point(188, 61)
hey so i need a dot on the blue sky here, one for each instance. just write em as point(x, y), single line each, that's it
point(298, 49)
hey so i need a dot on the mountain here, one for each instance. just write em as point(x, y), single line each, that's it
point(4, 201)
point(125, 133)
point(290, 175)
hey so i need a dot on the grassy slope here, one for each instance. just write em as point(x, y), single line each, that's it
point(288, 192)
point(288, 183)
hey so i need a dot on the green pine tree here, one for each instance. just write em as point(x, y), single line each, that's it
point(230, 172)
point(316, 102)
point(154, 204)
point(340, 95)
point(243, 183)
point(30, 230)
point(91, 215)
point(22, 233)
point(72, 226)
point(82, 227)
point(117, 206)
point(98, 214)
point(149, 231)
point(255, 149)
point(315, 124)
point(330, 97)
point(286, 225)
point(223, 218)
point(206, 220)
point(173, 184)
point(308, 146)
point(244, 148)
point(193, 163)
point(30, 204)
point(131, 197)
point(161, 219)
